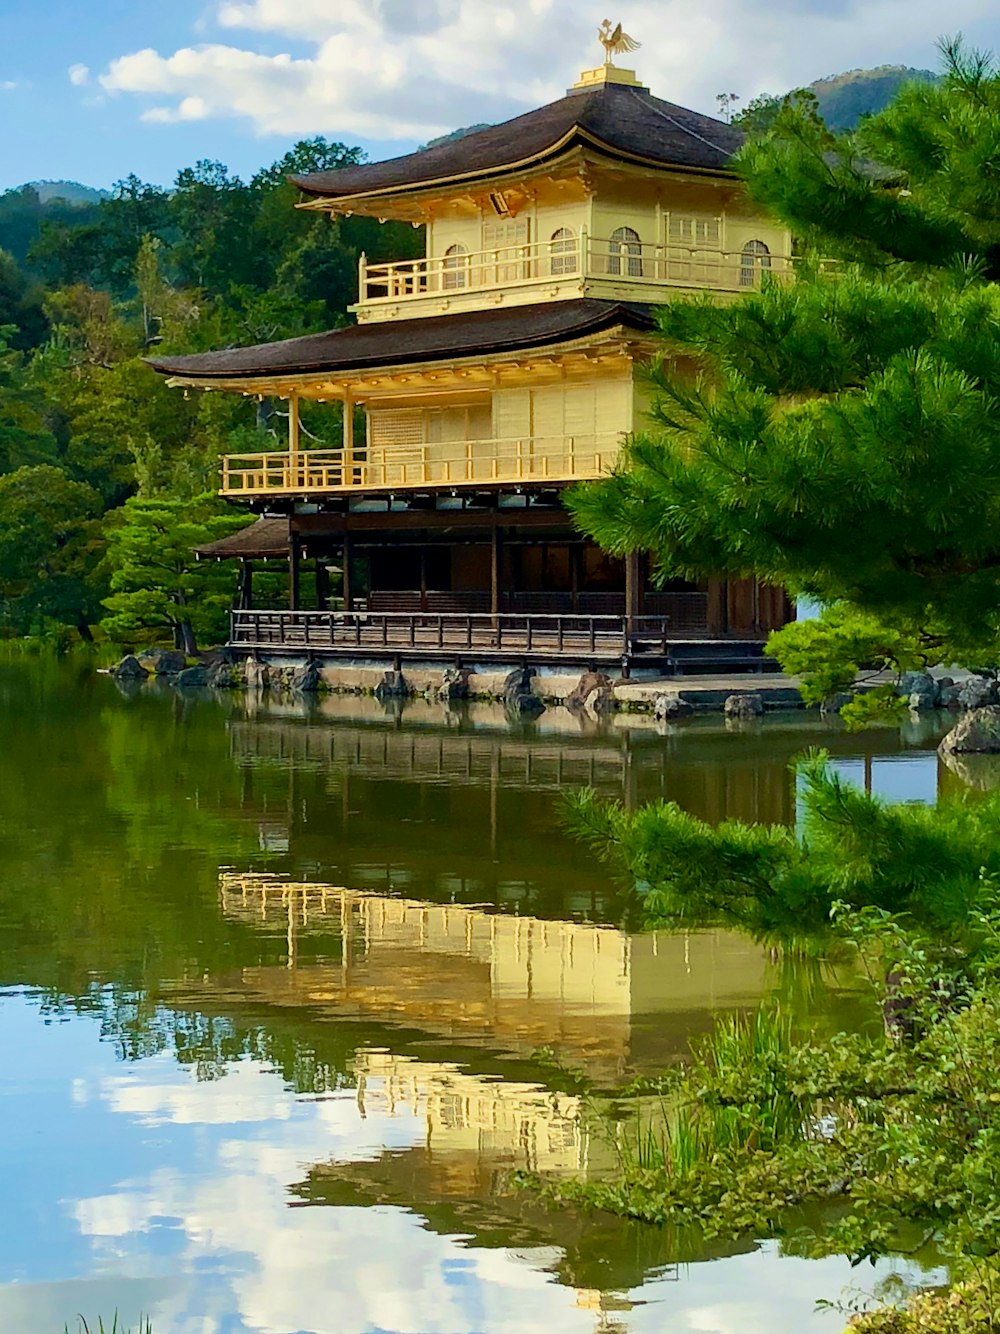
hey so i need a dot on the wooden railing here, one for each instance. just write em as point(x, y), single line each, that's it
point(577, 256)
point(451, 463)
point(610, 638)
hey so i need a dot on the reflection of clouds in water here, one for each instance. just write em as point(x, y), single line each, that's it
point(242, 1249)
point(164, 1095)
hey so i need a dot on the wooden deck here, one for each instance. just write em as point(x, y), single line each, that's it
point(570, 639)
point(440, 634)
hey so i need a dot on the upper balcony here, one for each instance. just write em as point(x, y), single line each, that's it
point(457, 464)
point(619, 267)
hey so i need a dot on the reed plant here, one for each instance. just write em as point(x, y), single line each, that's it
point(667, 1131)
point(116, 1327)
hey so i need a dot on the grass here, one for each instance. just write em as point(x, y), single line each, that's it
point(144, 1326)
point(675, 1136)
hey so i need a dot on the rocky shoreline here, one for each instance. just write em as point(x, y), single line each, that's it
point(526, 693)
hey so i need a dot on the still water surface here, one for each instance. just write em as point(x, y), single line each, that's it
point(274, 982)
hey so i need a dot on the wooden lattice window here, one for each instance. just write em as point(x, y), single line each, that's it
point(400, 428)
point(694, 231)
point(506, 243)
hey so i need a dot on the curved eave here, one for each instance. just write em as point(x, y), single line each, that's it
point(606, 329)
point(503, 170)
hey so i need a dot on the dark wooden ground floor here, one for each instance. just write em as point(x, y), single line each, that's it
point(507, 567)
point(488, 581)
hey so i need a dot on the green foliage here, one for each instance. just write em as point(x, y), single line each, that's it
point(967, 1308)
point(50, 547)
point(859, 1144)
point(841, 435)
point(157, 583)
point(86, 289)
point(144, 1327)
point(776, 882)
point(828, 653)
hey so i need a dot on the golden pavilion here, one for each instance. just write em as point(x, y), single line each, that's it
point(491, 374)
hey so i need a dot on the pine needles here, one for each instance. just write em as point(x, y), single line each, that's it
point(934, 864)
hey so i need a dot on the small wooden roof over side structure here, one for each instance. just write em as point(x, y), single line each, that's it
point(267, 539)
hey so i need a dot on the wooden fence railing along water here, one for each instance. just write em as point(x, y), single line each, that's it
point(502, 636)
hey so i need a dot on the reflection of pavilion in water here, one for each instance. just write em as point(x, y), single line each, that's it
point(606, 1000)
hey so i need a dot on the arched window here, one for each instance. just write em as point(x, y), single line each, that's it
point(562, 248)
point(456, 268)
point(755, 257)
point(625, 252)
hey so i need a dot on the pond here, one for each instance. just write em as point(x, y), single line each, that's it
point(280, 988)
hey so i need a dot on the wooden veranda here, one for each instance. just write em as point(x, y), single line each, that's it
point(617, 641)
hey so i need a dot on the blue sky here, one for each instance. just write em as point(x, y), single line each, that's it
point(91, 90)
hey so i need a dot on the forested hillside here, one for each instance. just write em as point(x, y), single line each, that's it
point(844, 99)
point(97, 455)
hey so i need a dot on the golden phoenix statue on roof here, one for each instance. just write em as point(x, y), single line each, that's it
point(615, 41)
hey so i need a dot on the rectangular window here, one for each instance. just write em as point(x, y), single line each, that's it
point(506, 257)
point(694, 243)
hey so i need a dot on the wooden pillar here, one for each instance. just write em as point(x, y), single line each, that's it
point(717, 613)
point(322, 585)
point(423, 578)
point(575, 571)
point(348, 436)
point(346, 562)
point(294, 555)
point(633, 589)
point(244, 599)
point(496, 570)
point(294, 470)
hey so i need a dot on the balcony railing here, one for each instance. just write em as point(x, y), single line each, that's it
point(554, 261)
point(561, 458)
point(608, 638)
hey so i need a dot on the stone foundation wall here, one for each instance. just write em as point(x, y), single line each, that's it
point(525, 692)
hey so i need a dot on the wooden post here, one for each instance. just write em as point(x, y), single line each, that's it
point(633, 590)
point(718, 619)
point(244, 601)
point(575, 563)
point(423, 578)
point(348, 437)
point(294, 552)
point(322, 585)
point(293, 440)
point(496, 572)
point(346, 562)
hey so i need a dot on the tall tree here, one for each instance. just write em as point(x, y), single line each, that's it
point(50, 548)
point(157, 584)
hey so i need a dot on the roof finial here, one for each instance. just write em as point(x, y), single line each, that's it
point(615, 41)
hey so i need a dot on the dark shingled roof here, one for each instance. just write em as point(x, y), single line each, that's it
point(263, 539)
point(625, 121)
point(404, 342)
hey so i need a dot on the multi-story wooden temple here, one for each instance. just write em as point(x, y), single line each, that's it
point(491, 374)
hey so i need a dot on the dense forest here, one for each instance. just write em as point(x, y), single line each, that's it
point(107, 477)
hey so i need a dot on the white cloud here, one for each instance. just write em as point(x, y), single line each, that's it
point(79, 75)
point(397, 69)
point(7, 85)
point(191, 108)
